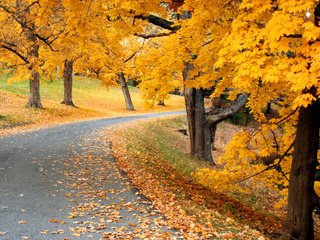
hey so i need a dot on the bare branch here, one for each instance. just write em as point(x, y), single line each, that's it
point(288, 116)
point(160, 22)
point(293, 35)
point(207, 43)
point(154, 35)
point(256, 174)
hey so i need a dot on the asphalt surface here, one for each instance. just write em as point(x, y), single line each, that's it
point(62, 183)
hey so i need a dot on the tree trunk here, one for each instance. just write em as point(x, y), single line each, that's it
point(161, 103)
point(268, 108)
point(67, 82)
point(200, 135)
point(299, 221)
point(125, 91)
point(34, 97)
point(199, 132)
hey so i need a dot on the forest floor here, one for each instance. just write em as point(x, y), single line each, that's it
point(155, 156)
point(93, 101)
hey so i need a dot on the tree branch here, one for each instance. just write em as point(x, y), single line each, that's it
point(293, 35)
point(273, 166)
point(256, 174)
point(215, 118)
point(160, 22)
point(207, 43)
point(135, 53)
point(154, 35)
point(24, 24)
point(15, 52)
point(288, 116)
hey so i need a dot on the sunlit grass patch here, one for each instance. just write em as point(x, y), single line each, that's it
point(92, 99)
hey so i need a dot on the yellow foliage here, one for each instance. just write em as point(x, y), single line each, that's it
point(317, 187)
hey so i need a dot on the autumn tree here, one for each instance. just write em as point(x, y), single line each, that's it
point(273, 48)
point(189, 35)
point(28, 27)
point(76, 44)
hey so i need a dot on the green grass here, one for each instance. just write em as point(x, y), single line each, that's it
point(92, 98)
point(21, 87)
point(88, 93)
point(160, 137)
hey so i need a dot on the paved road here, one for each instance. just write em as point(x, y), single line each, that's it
point(62, 183)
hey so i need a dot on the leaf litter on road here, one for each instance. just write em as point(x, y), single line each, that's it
point(102, 200)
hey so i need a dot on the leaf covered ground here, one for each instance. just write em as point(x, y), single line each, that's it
point(92, 99)
point(154, 155)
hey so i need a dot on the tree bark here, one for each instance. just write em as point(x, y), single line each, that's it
point(125, 90)
point(67, 82)
point(34, 97)
point(268, 108)
point(199, 132)
point(299, 221)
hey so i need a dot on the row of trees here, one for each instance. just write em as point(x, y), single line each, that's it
point(38, 36)
point(258, 52)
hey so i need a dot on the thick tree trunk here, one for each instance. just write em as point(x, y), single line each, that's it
point(67, 82)
point(200, 135)
point(34, 97)
point(199, 132)
point(299, 221)
point(125, 90)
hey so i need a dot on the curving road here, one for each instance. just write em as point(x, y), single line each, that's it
point(62, 183)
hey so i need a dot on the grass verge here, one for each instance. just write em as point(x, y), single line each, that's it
point(155, 156)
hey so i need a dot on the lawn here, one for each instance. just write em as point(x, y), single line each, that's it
point(93, 100)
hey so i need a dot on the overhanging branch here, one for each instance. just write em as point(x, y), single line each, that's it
point(215, 118)
point(15, 52)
